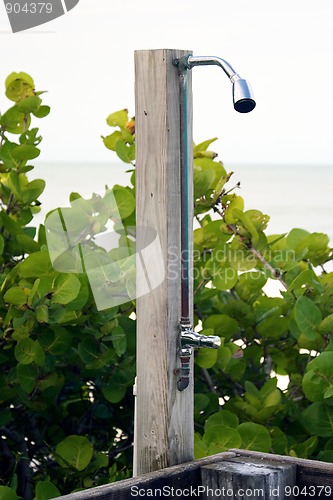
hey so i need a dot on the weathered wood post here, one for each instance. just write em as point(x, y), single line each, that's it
point(164, 423)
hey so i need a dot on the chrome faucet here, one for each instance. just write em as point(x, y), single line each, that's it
point(190, 339)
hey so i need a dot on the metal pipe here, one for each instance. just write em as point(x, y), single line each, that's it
point(243, 102)
point(186, 163)
point(243, 97)
point(211, 60)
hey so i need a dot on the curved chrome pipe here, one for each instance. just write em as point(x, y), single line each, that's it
point(242, 93)
point(210, 61)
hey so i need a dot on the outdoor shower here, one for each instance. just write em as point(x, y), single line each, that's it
point(243, 103)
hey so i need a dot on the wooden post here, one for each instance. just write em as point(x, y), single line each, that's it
point(249, 479)
point(164, 424)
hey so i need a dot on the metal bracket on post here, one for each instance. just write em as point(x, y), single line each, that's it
point(190, 339)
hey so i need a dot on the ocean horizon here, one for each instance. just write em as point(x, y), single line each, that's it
point(292, 195)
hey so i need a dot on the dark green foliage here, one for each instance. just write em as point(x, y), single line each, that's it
point(67, 370)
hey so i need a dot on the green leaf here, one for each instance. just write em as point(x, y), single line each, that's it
point(231, 217)
point(7, 493)
point(326, 456)
point(295, 237)
point(279, 441)
point(90, 353)
point(253, 281)
point(222, 324)
point(125, 152)
point(26, 376)
point(19, 86)
point(200, 448)
point(326, 326)
point(29, 104)
point(119, 340)
point(42, 111)
point(57, 341)
point(45, 490)
point(110, 141)
point(329, 392)
point(220, 438)
point(75, 451)
point(224, 418)
point(318, 381)
point(206, 358)
point(66, 288)
point(226, 278)
point(203, 146)
point(254, 437)
point(16, 296)
point(201, 401)
point(125, 201)
point(211, 234)
point(28, 351)
point(25, 351)
point(318, 419)
point(114, 393)
point(247, 222)
point(42, 313)
point(14, 121)
point(33, 190)
point(316, 245)
point(300, 280)
point(36, 265)
point(203, 180)
point(25, 152)
point(273, 327)
point(308, 316)
point(209, 165)
point(29, 245)
point(306, 448)
point(118, 118)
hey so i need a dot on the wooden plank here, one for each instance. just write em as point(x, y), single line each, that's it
point(310, 473)
point(164, 427)
point(313, 473)
point(184, 476)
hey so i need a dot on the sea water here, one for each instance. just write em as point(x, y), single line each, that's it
point(292, 195)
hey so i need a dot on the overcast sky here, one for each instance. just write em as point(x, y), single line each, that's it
point(85, 61)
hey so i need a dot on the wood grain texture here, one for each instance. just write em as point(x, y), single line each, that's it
point(181, 476)
point(184, 476)
point(309, 472)
point(164, 427)
point(247, 478)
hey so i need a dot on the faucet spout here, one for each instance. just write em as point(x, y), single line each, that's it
point(193, 339)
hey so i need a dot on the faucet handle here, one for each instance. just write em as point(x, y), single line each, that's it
point(190, 338)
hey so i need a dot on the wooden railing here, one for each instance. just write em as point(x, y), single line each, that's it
point(236, 474)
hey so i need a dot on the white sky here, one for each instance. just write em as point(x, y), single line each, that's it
point(85, 61)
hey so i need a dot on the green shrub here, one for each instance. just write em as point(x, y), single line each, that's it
point(67, 369)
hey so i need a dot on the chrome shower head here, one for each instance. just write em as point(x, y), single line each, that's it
point(242, 93)
point(242, 96)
